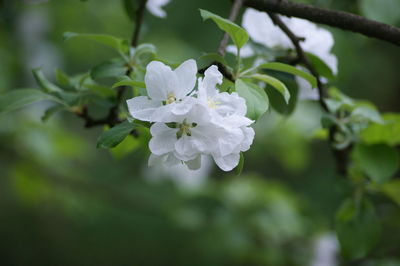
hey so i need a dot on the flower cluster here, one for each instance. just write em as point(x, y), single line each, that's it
point(188, 122)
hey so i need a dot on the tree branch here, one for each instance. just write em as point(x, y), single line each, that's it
point(138, 22)
point(232, 17)
point(338, 19)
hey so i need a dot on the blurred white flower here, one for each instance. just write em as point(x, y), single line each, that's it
point(155, 7)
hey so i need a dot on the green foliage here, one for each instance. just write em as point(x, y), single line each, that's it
point(109, 69)
point(379, 162)
point(256, 99)
point(291, 70)
point(115, 135)
point(44, 83)
point(320, 66)
point(129, 82)
point(357, 228)
point(387, 132)
point(17, 99)
point(238, 35)
point(120, 45)
point(275, 83)
point(392, 190)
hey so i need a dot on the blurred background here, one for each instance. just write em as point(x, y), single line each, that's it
point(64, 202)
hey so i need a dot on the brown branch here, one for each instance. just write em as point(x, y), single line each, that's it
point(138, 22)
point(338, 19)
point(232, 17)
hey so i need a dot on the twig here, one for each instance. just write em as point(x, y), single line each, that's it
point(232, 17)
point(341, 156)
point(302, 57)
point(338, 19)
point(112, 118)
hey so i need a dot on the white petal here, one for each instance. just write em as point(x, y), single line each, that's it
point(155, 7)
point(230, 104)
point(185, 148)
point(163, 139)
point(186, 74)
point(248, 138)
point(194, 164)
point(160, 80)
point(142, 108)
point(227, 163)
point(212, 77)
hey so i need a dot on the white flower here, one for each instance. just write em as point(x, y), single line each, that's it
point(155, 7)
point(166, 89)
point(189, 125)
point(263, 31)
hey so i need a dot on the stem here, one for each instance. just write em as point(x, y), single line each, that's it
point(338, 19)
point(138, 22)
point(232, 17)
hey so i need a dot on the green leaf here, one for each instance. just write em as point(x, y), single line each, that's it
point(238, 34)
point(275, 83)
point(120, 45)
point(320, 66)
point(16, 99)
point(368, 113)
point(357, 228)
point(115, 135)
point(144, 54)
point(392, 190)
point(387, 133)
point(210, 58)
point(277, 101)
point(129, 82)
point(51, 111)
point(291, 70)
point(109, 69)
point(386, 11)
point(256, 99)
point(239, 168)
point(380, 162)
point(44, 83)
point(130, 8)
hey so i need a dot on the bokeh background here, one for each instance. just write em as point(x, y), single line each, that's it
point(64, 202)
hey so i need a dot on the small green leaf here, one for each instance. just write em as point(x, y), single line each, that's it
point(239, 168)
point(51, 111)
point(256, 99)
point(44, 83)
point(237, 33)
point(321, 67)
point(380, 162)
point(129, 82)
point(368, 113)
point(291, 70)
point(144, 54)
point(16, 99)
point(121, 45)
point(115, 135)
point(275, 83)
point(357, 228)
point(392, 190)
point(387, 133)
point(109, 69)
point(210, 58)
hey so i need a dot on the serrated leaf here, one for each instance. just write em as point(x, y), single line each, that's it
point(256, 99)
point(320, 66)
point(291, 70)
point(357, 228)
point(16, 99)
point(237, 33)
point(115, 135)
point(121, 45)
point(44, 83)
point(275, 83)
point(380, 162)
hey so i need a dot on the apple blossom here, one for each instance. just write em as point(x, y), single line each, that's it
point(155, 7)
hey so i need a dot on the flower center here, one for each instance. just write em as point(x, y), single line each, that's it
point(185, 128)
point(170, 98)
point(212, 104)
